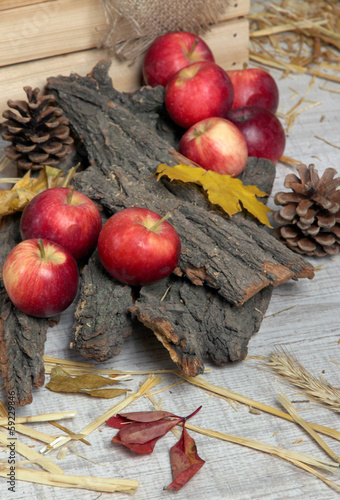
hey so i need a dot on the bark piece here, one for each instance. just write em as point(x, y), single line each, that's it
point(22, 337)
point(125, 151)
point(101, 320)
point(197, 323)
point(126, 137)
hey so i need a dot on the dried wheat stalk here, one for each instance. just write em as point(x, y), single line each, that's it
point(288, 367)
point(305, 425)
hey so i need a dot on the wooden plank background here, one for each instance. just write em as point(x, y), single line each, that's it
point(228, 41)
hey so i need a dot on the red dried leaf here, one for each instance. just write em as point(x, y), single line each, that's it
point(138, 448)
point(141, 437)
point(185, 461)
point(121, 419)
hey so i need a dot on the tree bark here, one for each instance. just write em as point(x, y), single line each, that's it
point(22, 337)
point(234, 261)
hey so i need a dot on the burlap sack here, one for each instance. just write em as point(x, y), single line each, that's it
point(134, 24)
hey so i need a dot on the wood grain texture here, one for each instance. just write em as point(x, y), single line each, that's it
point(39, 29)
point(228, 41)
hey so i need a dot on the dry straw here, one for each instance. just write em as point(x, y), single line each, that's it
point(289, 368)
point(299, 37)
point(305, 425)
point(150, 382)
point(227, 394)
point(301, 460)
point(100, 484)
point(44, 417)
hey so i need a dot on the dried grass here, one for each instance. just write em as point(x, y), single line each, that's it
point(44, 417)
point(298, 37)
point(305, 425)
point(301, 460)
point(31, 454)
point(317, 389)
point(227, 394)
point(69, 481)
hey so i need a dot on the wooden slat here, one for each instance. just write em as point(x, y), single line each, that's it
point(13, 4)
point(228, 41)
point(51, 28)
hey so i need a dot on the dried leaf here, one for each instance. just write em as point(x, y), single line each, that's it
point(185, 462)
point(121, 419)
point(223, 190)
point(105, 393)
point(140, 431)
point(87, 383)
point(15, 199)
point(141, 437)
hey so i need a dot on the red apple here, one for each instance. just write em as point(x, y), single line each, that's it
point(215, 144)
point(65, 216)
point(254, 86)
point(262, 130)
point(199, 91)
point(40, 277)
point(137, 246)
point(170, 53)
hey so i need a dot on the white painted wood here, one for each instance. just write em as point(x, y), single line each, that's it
point(303, 317)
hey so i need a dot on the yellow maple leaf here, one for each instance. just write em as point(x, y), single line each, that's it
point(223, 190)
point(15, 199)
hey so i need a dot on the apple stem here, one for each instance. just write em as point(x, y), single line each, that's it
point(70, 195)
point(193, 47)
point(159, 222)
point(42, 248)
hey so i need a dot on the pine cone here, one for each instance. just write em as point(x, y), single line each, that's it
point(38, 131)
point(309, 221)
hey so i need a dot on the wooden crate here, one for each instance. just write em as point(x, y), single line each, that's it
point(43, 38)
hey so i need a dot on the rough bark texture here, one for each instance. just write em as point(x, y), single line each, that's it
point(22, 337)
point(102, 320)
point(195, 323)
point(125, 151)
point(235, 261)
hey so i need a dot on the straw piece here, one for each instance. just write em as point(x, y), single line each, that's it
point(67, 362)
point(327, 142)
point(33, 433)
point(299, 420)
point(70, 433)
point(69, 481)
point(292, 67)
point(200, 382)
point(273, 30)
point(150, 382)
point(45, 417)
point(29, 453)
point(3, 410)
point(267, 448)
point(290, 161)
point(77, 368)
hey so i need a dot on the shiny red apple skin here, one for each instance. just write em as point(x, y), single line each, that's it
point(215, 144)
point(134, 254)
point(262, 130)
point(171, 52)
point(74, 224)
point(40, 286)
point(255, 87)
point(201, 90)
